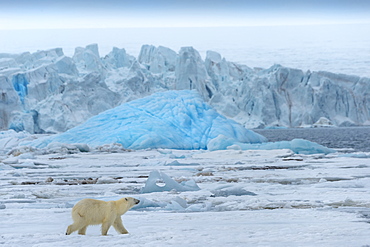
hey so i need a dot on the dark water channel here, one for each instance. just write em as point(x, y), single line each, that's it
point(356, 138)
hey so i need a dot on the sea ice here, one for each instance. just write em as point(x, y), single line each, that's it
point(26, 164)
point(299, 146)
point(323, 198)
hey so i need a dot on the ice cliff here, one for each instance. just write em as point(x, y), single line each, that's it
point(48, 92)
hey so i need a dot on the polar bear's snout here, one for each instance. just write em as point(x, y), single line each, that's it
point(136, 201)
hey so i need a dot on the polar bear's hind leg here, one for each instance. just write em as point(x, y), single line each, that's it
point(82, 231)
point(77, 226)
point(71, 228)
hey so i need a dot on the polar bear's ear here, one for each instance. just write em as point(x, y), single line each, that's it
point(126, 199)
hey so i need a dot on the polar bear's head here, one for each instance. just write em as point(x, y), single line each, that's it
point(125, 203)
point(131, 201)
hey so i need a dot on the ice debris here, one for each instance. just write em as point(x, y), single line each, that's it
point(159, 182)
point(231, 190)
point(10, 139)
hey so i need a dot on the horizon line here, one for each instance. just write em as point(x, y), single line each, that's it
point(185, 27)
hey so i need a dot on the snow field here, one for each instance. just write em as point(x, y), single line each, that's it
point(246, 198)
point(281, 227)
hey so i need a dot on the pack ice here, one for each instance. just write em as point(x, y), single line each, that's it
point(48, 92)
point(174, 119)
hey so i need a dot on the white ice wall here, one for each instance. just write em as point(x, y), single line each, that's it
point(47, 91)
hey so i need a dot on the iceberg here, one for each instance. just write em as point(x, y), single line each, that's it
point(172, 119)
point(167, 184)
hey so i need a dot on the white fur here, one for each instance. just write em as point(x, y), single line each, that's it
point(95, 212)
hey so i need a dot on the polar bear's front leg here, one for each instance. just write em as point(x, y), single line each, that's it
point(119, 226)
point(105, 227)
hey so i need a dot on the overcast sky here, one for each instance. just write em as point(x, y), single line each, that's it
point(41, 14)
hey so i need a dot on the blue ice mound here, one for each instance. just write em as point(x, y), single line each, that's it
point(171, 119)
point(159, 182)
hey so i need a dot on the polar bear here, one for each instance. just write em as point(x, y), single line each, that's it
point(95, 212)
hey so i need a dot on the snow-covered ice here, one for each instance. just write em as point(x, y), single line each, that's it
point(245, 198)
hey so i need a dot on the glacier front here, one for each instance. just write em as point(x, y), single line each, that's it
point(48, 92)
point(174, 119)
